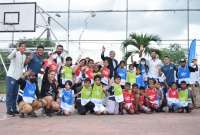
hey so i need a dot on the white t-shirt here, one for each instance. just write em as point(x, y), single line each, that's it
point(16, 67)
point(195, 76)
point(154, 66)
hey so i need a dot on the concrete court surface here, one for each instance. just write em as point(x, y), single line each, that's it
point(142, 124)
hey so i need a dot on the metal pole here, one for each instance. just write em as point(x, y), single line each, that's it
point(83, 30)
point(126, 26)
point(13, 34)
point(126, 19)
point(188, 24)
point(1, 58)
point(68, 26)
point(48, 29)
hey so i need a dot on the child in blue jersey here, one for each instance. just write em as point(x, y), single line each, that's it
point(139, 79)
point(66, 98)
point(183, 73)
point(28, 95)
point(121, 71)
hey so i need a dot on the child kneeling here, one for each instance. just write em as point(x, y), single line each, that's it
point(98, 95)
point(28, 95)
point(172, 98)
point(185, 98)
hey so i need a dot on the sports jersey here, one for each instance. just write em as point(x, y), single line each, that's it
point(122, 73)
point(152, 94)
point(172, 93)
point(85, 95)
point(89, 73)
point(141, 99)
point(118, 93)
point(66, 98)
point(140, 81)
point(28, 93)
point(183, 74)
point(128, 96)
point(97, 92)
point(67, 73)
point(131, 77)
point(105, 72)
point(183, 95)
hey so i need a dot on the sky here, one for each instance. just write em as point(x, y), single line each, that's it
point(112, 26)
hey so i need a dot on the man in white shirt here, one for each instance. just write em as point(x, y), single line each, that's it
point(154, 66)
point(15, 71)
point(194, 72)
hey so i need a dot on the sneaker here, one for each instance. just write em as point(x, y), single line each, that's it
point(16, 112)
point(60, 113)
point(11, 113)
point(187, 109)
point(49, 114)
point(33, 114)
point(22, 115)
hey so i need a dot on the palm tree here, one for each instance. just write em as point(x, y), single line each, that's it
point(141, 42)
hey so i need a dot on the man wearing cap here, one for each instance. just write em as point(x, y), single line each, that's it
point(183, 72)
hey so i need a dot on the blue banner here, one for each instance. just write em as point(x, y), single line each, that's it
point(192, 51)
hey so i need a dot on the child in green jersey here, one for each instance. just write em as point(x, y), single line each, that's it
point(118, 93)
point(131, 74)
point(85, 105)
point(98, 95)
point(66, 72)
point(185, 98)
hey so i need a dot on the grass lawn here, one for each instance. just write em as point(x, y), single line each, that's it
point(2, 87)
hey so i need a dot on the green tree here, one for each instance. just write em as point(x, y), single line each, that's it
point(174, 52)
point(34, 42)
point(141, 42)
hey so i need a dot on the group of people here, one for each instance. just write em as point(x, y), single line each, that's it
point(106, 87)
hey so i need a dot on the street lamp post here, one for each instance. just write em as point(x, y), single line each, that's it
point(92, 15)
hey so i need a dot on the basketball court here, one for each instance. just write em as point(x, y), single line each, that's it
point(142, 124)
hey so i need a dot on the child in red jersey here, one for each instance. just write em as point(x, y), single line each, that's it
point(88, 71)
point(142, 101)
point(151, 92)
point(128, 105)
point(105, 72)
point(173, 98)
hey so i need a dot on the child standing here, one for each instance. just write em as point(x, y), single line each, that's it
point(121, 71)
point(66, 98)
point(131, 75)
point(66, 72)
point(139, 79)
point(105, 72)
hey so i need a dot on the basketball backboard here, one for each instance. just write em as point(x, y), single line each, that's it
point(17, 17)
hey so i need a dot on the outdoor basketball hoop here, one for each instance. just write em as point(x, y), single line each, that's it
point(18, 17)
